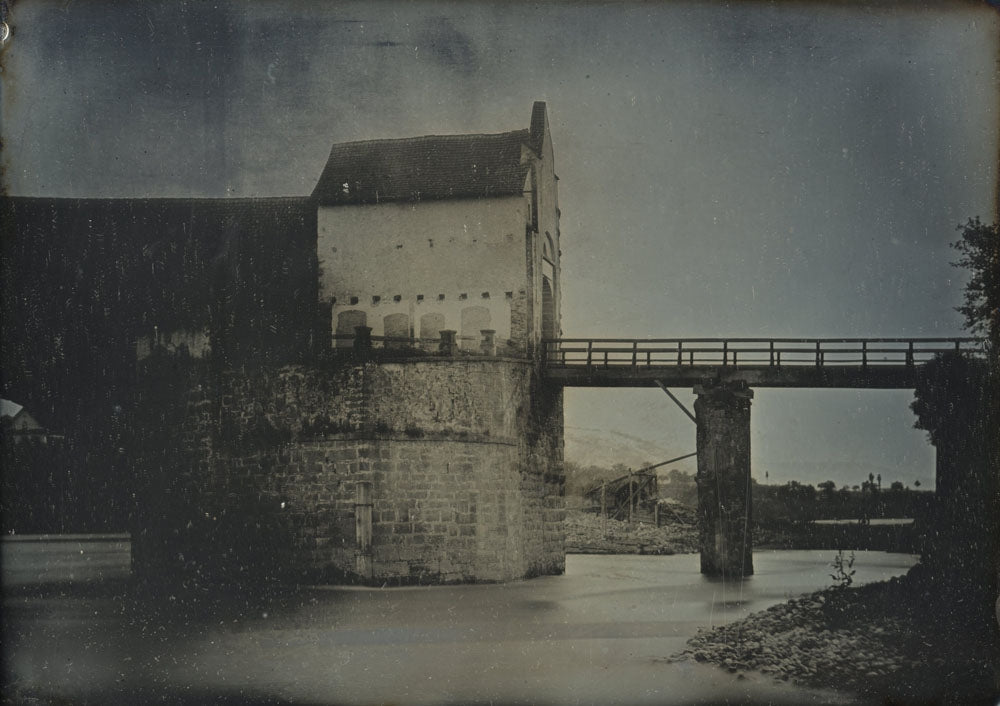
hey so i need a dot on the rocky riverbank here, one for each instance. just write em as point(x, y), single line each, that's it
point(873, 640)
point(586, 533)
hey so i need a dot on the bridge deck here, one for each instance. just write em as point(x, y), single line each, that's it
point(881, 363)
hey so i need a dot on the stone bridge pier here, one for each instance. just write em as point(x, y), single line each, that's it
point(722, 411)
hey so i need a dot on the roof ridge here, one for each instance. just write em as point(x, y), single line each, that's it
point(418, 138)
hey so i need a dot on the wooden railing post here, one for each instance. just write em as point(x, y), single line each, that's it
point(590, 351)
point(635, 352)
point(819, 360)
point(772, 354)
point(362, 340)
point(488, 345)
point(680, 353)
point(363, 528)
point(725, 352)
point(864, 354)
point(447, 345)
point(630, 496)
point(909, 355)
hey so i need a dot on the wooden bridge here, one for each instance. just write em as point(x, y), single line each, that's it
point(884, 363)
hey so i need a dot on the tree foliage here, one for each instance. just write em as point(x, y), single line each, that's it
point(979, 253)
point(949, 395)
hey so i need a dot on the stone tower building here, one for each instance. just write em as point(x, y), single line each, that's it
point(416, 440)
point(455, 232)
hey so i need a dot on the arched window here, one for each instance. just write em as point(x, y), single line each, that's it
point(346, 321)
point(431, 325)
point(474, 320)
point(548, 310)
point(396, 326)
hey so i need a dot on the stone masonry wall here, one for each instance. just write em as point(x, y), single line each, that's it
point(464, 458)
point(724, 499)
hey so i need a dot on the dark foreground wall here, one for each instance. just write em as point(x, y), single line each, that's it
point(82, 279)
point(260, 480)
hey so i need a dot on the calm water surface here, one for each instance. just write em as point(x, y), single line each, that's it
point(597, 635)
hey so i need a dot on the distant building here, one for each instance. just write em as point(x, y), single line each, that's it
point(21, 425)
point(17, 418)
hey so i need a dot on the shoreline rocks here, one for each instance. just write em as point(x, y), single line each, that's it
point(872, 640)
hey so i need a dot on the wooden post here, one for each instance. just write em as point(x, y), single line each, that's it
point(447, 346)
point(363, 528)
point(635, 353)
point(488, 345)
point(864, 354)
point(362, 340)
point(604, 509)
point(772, 353)
point(630, 496)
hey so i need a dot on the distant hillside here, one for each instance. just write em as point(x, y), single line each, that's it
point(596, 447)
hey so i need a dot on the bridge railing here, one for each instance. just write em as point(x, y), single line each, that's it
point(751, 352)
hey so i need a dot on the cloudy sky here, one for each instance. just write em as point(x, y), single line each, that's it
point(752, 169)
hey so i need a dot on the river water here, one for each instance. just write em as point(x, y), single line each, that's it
point(600, 634)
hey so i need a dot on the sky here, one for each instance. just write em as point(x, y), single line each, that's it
point(743, 170)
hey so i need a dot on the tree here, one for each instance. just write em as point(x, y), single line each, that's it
point(957, 401)
point(979, 253)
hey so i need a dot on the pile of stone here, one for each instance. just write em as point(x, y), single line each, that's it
point(586, 533)
point(801, 641)
point(859, 639)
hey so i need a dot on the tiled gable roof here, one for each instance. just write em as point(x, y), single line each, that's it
point(424, 168)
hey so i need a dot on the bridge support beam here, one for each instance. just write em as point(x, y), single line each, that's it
point(724, 502)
